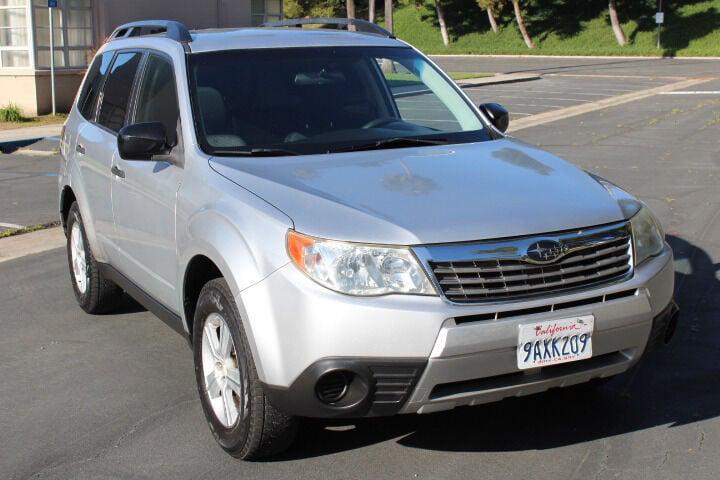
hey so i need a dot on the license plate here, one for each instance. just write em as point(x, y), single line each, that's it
point(555, 341)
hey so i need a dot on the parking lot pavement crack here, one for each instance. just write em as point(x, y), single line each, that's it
point(603, 464)
point(701, 439)
point(151, 416)
point(117, 443)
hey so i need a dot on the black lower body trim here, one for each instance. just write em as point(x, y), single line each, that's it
point(663, 328)
point(374, 387)
point(173, 320)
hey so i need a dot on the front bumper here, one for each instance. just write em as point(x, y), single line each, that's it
point(421, 354)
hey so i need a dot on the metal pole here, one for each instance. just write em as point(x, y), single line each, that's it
point(659, 26)
point(52, 60)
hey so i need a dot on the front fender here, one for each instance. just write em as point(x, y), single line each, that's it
point(244, 237)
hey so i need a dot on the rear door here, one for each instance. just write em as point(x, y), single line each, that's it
point(87, 147)
point(97, 143)
point(144, 193)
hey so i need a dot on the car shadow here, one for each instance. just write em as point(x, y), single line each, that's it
point(676, 385)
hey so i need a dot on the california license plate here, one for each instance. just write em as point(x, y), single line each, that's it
point(555, 341)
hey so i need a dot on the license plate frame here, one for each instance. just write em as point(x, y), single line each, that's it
point(554, 341)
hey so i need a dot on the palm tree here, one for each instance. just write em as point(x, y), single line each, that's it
point(615, 22)
point(441, 20)
point(490, 6)
point(351, 13)
point(521, 24)
point(389, 15)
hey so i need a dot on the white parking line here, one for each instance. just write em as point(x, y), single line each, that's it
point(532, 91)
point(513, 104)
point(564, 113)
point(547, 98)
point(11, 225)
point(693, 92)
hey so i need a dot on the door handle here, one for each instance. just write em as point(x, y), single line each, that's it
point(80, 149)
point(117, 172)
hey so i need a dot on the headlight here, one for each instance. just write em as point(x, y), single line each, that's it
point(357, 269)
point(648, 237)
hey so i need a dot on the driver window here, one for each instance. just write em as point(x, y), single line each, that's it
point(157, 100)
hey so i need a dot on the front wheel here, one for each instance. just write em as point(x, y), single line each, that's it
point(240, 416)
point(94, 293)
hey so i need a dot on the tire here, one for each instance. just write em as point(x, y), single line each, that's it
point(94, 293)
point(239, 414)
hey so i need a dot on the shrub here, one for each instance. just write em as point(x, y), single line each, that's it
point(11, 113)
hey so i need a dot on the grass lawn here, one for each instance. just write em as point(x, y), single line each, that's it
point(409, 79)
point(692, 28)
point(58, 119)
point(466, 75)
point(32, 228)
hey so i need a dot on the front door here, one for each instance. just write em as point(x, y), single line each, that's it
point(144, 192)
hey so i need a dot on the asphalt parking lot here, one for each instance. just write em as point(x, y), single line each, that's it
point(113, 396)
point(28, 185)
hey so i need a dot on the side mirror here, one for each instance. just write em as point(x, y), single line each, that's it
point(142, 140)
point(497, 114)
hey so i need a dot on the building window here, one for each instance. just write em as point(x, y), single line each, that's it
point(262, 11)
point(14, 51)
point(72, 33)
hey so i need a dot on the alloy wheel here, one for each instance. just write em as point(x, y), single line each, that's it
point(225, 386)
point(78, 258)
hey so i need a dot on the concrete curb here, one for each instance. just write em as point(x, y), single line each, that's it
point(16, 137)
point(498, 79)
point(29, 243)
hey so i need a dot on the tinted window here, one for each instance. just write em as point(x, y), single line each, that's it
point(116, 93)
point(157, 101)
point(91, 89)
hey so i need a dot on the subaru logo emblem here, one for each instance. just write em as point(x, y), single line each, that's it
point(545, 251)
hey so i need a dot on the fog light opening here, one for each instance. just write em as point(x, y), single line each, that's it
point(333, 386)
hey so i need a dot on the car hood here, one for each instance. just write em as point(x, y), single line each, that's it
point(423, 195)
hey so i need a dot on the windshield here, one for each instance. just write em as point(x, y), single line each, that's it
point(329, 99)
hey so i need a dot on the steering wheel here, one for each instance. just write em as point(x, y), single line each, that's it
point(379, 122)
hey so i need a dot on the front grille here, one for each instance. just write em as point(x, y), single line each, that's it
point(501, 270)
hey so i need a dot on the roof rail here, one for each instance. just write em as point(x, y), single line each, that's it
point(363, 26)
point(172, 30)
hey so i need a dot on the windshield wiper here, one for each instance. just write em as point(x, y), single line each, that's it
point(254, 152)
point(398, 142)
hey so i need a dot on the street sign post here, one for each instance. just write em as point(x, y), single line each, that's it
point(52, 4)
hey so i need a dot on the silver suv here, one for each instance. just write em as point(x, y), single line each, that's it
point(339, 232)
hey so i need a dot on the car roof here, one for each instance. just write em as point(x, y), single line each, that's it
point(211, 40)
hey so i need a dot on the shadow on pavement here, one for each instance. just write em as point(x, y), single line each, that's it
point(674, 386)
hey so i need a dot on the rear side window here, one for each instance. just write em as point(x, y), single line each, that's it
point(91, 89)
point(157, 101)
point(116, 94)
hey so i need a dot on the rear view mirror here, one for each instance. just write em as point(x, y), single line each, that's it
point(142, 140)
point(497, 114)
